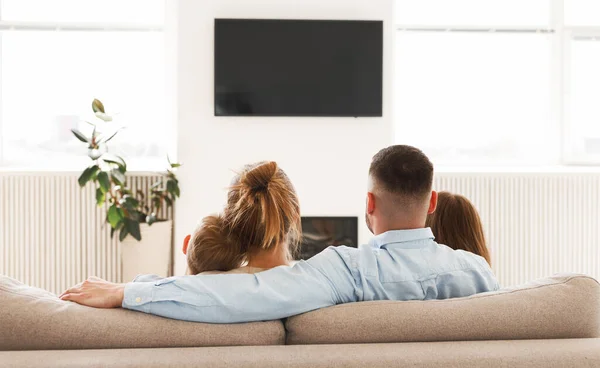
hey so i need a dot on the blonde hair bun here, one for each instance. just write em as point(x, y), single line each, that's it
point(260, 176)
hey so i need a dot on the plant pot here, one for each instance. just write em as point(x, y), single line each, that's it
point(151, 255)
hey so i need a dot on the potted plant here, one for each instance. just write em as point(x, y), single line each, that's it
point(144, 248)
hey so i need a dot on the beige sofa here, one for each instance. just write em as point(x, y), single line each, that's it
point(553, 322)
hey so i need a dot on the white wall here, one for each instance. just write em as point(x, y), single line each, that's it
point(326, 158)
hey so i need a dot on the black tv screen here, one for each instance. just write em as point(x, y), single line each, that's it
point(320, 232)
point(298, 67)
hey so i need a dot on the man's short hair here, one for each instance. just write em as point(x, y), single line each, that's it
point(402, 170)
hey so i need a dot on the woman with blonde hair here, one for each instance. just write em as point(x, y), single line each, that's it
point(258, 229)
point(456, 224)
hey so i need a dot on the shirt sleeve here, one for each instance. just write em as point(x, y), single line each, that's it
point(322, 281)
point(147, 278)
point(475, 277)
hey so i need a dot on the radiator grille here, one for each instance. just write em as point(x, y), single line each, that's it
point(52, 235)
point(536, 224)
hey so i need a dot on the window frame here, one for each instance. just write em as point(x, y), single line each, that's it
point(59, 26)
point(561, 36)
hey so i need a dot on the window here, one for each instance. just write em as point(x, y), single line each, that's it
point(57, 56)
point(506, 83)
point(582, 81)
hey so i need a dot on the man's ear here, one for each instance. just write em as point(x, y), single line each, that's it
point(432, 202)
point(370, 203)
point(186, 242)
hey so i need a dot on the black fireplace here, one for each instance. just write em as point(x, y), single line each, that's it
point(320, 232)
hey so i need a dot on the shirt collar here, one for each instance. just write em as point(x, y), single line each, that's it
point(401, 236)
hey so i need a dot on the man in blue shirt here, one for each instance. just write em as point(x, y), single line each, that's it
point(401, 262)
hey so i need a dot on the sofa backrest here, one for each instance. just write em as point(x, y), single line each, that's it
point(35, 319)
point(563, 306)
point(557, 307)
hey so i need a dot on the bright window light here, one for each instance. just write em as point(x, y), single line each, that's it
point(475, 98)
point(582, 12)
point(499, 82)
point(49, 78)
point(584, 98)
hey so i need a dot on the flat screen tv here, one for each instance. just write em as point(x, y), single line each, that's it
point(320, 232)
point(267, 67)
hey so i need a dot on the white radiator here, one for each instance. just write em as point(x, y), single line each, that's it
point(52, 234)
point(536, 224)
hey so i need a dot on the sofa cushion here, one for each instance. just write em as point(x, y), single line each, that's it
point(563, 306)
point(35, 319)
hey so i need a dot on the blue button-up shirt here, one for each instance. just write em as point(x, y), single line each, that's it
point(396, 265)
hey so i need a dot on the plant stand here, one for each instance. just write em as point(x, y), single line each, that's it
point(151, 255)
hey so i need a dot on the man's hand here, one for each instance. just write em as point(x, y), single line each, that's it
point(95, 292)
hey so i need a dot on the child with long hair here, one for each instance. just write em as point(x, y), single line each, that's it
point(456, 224)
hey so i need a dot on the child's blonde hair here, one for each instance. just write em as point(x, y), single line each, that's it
point(262, 212)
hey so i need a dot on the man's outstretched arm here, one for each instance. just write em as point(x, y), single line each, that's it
point(277, 293)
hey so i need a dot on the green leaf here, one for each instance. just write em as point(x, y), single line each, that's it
point(157, 202)
point(123, 233)
point(129, 203)
point(124, 167)
point(173, 164)
point(114, 216)
point(118, 176)
point(132, 202)
point(100, 197)
point(104, 181)
point(97, 106)
point(87, 175)
point(133, 228)
point(117, 227)
point(171, 186)
point(80, 136)
point(113, 159)
point(110, 137)
point(169, 201)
